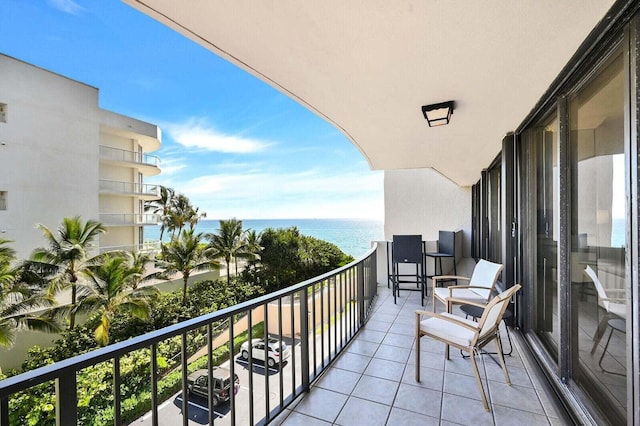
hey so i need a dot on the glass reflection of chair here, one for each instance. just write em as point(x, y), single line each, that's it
point(615, 316)
point(467, 335)
point(408, 250)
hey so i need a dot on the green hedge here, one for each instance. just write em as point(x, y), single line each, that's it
point(95, 384)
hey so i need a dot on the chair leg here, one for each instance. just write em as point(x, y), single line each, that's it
point(433, 299)
point(472, 353)
point(604, 350)
point(602, 327)
point(417, 348)
point(446, 349)
point(501, 357)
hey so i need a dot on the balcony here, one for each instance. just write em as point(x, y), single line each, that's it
point(142, 191)
point(147, 164)
point(129, 219)
point(317, 319)
point(146, 247)
point(351, 363)
point(372, 381)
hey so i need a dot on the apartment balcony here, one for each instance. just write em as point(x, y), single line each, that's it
point(351, 363)
point(146, 247)
point(130, 189)
point(372, 381)
point(148, 165)
point(129, 219)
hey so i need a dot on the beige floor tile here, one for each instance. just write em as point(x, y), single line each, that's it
point(322, 404)
point(362, 412)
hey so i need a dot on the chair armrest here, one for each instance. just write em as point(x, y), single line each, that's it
point(455, 301)
point(437, 278)
point(425, 313)
point(444, 318)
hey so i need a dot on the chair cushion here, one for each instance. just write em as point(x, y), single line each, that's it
point(450, 331)
point(442, 293)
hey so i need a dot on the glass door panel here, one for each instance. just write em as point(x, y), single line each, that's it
point(494, 215)
point(545, 314)
point(598, 240)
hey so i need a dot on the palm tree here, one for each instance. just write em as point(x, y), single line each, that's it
point(253, 244)
point(229, 243)
point(138, 261)
point(193, 217)
point(67, 257)
point(182, 213)
point(7, 254)
point(19, 302)
point(162, 207)
point(185, 255)
point(107, 293)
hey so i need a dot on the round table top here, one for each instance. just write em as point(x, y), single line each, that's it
point(439, 254)
point(476, 311)
point(618, 324)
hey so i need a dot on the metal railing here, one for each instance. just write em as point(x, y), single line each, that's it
point(318, 318)
point(125, 219)
point(146, 247)
point(129, 187)
point(117, 154)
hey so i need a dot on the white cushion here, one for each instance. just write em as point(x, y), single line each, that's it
point(448, 330)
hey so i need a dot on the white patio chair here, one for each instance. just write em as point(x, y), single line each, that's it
point(467, 335)
point(480, 288)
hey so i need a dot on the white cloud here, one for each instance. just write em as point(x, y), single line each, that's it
point(306, 194)
point(67, 6)
point(197, 134)
point(171, 166)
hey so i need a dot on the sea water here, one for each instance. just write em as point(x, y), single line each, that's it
point(352, 236)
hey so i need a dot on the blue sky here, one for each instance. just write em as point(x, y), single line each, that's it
point(235, 146)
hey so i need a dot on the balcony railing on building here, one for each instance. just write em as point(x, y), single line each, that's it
point(133, 188)
point(117, 154)
point(146, 247)
point(129, 219)
point(318, 318)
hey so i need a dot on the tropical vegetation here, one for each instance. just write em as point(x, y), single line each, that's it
point(110, 289)
point(185, 255)
point(66, 258)
point(232, 243)
point(21, 304)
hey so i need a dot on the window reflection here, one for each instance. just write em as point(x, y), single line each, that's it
point(598, 304)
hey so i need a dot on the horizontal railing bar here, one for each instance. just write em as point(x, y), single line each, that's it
point(129, 156)
point(43, 374)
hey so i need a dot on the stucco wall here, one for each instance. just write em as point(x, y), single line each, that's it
point(50, 156)
point(422, 201)
point(49, 151)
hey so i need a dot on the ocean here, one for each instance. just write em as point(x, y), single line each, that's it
point(352, 236)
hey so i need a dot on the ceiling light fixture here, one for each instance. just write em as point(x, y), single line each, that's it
point(438, 114)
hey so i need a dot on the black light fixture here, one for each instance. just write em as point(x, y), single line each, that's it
point(438, 114)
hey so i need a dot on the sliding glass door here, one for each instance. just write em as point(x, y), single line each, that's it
point(598, 240)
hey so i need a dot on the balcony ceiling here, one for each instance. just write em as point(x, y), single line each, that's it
point(368, 66)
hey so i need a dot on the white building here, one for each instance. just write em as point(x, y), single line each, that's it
point(61, 155)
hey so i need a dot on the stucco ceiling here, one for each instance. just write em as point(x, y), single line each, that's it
point(367, 66)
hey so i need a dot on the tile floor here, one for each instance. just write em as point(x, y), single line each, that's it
point(372, 382)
